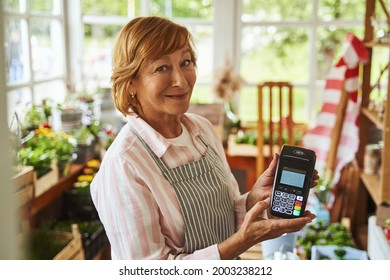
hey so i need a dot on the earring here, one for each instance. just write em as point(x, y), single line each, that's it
point(132, 95)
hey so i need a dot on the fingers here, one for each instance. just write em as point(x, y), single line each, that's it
point(315, 178)
point(309, 215)
point(270, 171)
point(268, 175)
point(293, 225)
point(258, 208)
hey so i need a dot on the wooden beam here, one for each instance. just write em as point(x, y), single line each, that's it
point(341, 108)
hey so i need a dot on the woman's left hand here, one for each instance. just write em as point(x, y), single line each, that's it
point(263, 186)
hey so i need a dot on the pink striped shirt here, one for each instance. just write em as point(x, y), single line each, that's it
point(137, 205)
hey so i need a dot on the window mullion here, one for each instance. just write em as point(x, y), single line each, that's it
point(312, 62)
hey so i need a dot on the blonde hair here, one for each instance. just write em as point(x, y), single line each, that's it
point(143, 39)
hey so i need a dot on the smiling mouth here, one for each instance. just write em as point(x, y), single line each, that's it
point(181, 96)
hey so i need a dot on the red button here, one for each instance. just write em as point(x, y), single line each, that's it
point(299, 203)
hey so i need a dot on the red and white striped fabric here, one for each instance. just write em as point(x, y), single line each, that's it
point(344, 72)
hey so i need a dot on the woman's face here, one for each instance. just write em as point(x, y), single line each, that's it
point(164, 86)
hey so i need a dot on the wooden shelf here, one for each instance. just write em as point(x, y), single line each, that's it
point(31, 209)
point(373, 116)
point(373, 189)
point(372, 184)
point(372, 44)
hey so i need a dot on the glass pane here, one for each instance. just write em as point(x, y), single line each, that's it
point(271, 53)
point(341, 10)
point(203, 37)
point(16, 51)
point(157, 8)
point(330, 45)
point(182, 8)
point(380, 58)
point(117, 7)
point(42, 6)
point(47, 48)
point(380, 15)
point(54, 91)
point(13, 6)
point(202, 94)
point(192, 9)
point(248, 105)
point(17, 101)
point(277, 10)
point(317, 98)
point(98, 44)
point(300, 105)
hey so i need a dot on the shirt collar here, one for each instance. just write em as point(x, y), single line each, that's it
point(156, 142)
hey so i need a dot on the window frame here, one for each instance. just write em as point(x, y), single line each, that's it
point(29, 16)
point(312, 25)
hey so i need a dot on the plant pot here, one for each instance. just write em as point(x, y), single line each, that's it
point(231, 123)
point(63, 168)
point(66, 120)
point(283, 244)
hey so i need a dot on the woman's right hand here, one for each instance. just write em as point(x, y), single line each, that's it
point(255, 229)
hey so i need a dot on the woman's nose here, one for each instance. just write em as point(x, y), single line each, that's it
point(178, 78)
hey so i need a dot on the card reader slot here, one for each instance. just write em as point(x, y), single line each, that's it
point(297, 157)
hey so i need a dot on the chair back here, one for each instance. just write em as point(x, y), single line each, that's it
point(275, 111)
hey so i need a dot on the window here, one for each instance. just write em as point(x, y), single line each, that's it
point(293, 40)
point(102, 21)
point(296, 40)
point(34, 52)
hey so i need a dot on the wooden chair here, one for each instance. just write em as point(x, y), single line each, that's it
point(275, 111)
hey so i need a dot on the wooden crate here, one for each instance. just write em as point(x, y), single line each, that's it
point(74, 249)
point(46, 244)
point(24, 185)
point(46, 181)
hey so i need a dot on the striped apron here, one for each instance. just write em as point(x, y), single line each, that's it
point(202, 190)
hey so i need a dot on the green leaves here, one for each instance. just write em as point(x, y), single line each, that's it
point(320, 233)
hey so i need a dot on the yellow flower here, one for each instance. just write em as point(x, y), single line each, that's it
point(93, 163)
point(85, 178)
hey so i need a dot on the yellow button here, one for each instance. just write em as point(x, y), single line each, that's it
point(297, 207)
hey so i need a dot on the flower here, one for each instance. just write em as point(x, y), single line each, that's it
point(41, 146)
point(93, 163)
point(85, 178)
point(227, 82)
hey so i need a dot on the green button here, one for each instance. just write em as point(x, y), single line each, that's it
point(296, 212)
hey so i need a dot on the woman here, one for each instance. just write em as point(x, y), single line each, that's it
point(164, 189)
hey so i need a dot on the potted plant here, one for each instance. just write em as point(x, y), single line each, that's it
point(321, 234)
point(87, 138)
point(65, 148)
point(38, 150)
point(33, 118)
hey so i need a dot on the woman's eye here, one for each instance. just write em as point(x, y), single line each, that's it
point(162, 68)
point(186, 62)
